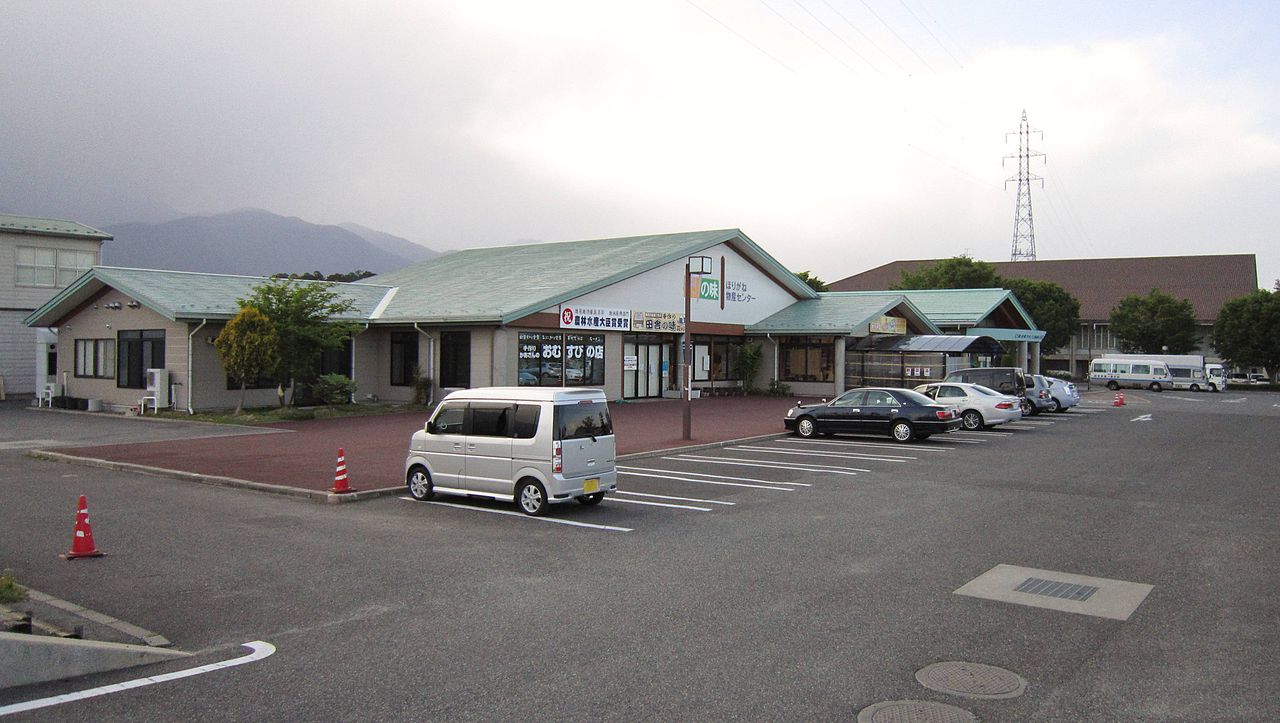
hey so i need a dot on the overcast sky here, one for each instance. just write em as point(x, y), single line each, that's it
point(838, 134)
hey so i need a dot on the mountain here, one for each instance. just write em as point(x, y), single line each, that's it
point(255, 242)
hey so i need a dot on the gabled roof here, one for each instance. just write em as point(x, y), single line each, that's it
point(49, 227)
point(840, 314)
point(184, 295)
point(961, 307)
point(1207, 281)
point(503, 283)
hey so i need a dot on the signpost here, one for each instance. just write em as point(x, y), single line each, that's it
point(699, 265)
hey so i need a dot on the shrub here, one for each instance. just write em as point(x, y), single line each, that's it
point(10, 590)
point(779, 389)
point(1060, 374)
point(333, 389)
point(293, 414)
point(746, 366)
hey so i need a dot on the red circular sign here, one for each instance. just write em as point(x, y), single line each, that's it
point(566, 317)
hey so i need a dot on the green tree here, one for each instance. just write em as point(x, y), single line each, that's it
point(1052, 307)
point(813, 281)
point(1247, 331)
point(302, 313)
point(247, 347)
point(1148, 324)
point(960, 272)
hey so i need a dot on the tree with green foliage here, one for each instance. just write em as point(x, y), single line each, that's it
point(813, 281)
point(302, 313)
point(247, 348)
point(348, 277)
point(1247, 331)
point(1157, 323)
point(1052, 307)
point(960, 272)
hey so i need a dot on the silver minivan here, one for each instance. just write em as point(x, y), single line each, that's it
point(534, 446)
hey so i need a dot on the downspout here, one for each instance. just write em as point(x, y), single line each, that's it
point(775, 357)
point(431, 361)
point(190, 351)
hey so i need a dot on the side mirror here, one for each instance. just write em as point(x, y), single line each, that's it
point(429, 427)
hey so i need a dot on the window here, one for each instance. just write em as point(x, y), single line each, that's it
point(850, 399)
point(526, 420)
point(876, 398)
point(51, 267)
point(404, 358)
point(136, 352)
point(584, 359)
point(449, 419)
point(808, 359)
point(95, 358)
point(579, 421)
point(490, 420)
point(455, 359)
point(1141, 368)
point(714, 359)
point(336, 361)
point(553, 360)
point(949, 392)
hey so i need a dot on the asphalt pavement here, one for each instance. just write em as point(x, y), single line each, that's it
point(781, 579)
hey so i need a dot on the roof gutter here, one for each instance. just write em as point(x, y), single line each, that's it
point(190, 351)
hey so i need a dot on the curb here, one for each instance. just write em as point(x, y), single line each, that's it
point(216, 480)
point(705, 445)
point(148, 638)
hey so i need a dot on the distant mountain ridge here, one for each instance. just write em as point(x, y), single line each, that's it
point(257, 243)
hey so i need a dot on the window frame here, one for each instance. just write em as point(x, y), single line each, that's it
point(403, 349)
point(823, 346)
point(93, 353)
point(137, 341)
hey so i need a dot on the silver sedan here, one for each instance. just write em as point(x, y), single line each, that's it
point(979, 406)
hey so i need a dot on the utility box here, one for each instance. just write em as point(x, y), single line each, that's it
point(158, 386)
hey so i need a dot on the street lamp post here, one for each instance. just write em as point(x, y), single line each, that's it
point(698, 265)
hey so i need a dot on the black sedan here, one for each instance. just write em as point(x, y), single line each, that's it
point(900, 413)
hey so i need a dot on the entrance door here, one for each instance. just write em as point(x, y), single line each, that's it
point(647, 379)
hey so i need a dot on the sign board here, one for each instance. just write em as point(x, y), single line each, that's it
point(630, 363)
point(594, 317)
point(657, 321)
point(704, 287)
point(888, 325)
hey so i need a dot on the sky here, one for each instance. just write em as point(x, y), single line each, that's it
point(837, 134)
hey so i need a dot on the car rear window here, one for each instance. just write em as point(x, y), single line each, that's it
point(577, 421)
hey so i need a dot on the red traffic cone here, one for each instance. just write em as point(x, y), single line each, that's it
point(340, 486)
point(82, 539)
point(1122, 398)
point(1115, 402)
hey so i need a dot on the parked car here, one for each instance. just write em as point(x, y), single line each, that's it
point(1006, 380)
point(1064, 393)
point(900, 413)
point(1038, 394)
point(979, 406)
point(532, 446)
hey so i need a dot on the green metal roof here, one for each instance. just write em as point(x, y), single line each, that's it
point(838, 313)
point(502, 283)
point(183, 295)
point(958, 307)
point(49, 227)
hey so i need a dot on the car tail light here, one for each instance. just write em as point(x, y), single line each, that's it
point(557, 458)
point(1044, 395)
point(943, 413)
point(1004, 405)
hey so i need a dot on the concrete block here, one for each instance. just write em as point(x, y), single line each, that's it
point(26, 659)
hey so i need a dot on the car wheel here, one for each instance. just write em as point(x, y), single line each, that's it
point(532, 498)
point(591, 499)
point(1112, 385)
point(1213, 387)
point(419, 482)
point(1026, 407)
point(1155, 387)
point(1057, 406)
point(971, 420)
point(806, 427)
point(1195, 387)
point(902, 431)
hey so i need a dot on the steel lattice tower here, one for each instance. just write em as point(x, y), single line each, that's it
point(1024, 230)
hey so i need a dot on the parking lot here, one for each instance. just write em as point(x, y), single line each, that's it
point(776, 579)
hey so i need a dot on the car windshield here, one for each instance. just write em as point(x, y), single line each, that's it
point(985, 390)
point(913, 396)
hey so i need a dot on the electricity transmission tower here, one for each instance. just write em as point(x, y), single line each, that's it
point(1024, 230)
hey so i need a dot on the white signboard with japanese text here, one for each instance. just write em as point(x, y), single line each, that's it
point(599, 318)
point(657, 322)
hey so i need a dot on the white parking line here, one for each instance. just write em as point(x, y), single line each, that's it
point(259, 648)
point(662, 504)
point(1037, 422)
point(799, 467)
point(523, 516)
point(984, 433)
point(842, 455)
point(712, 476)
point(671, 497)
point(872, 445)
point(707, 481)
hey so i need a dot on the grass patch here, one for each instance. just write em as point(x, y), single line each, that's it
point(10, 590)
point(271, 415)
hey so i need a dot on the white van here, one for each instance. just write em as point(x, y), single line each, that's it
point(536, 447)
point(1131, 373)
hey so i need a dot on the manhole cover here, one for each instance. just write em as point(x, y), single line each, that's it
point(971, 680)
point(914, 711)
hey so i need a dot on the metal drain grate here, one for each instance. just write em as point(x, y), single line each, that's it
point(1054, 588)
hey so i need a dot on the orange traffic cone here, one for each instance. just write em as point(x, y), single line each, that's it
point(340, 486)
point(1122, 397)
point(82, 539)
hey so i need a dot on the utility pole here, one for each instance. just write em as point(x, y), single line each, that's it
point(1024, 230)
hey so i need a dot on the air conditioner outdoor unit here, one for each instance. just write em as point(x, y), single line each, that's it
point(158, 386)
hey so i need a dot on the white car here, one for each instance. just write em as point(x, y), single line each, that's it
point(979, 406)
point(1064, 393)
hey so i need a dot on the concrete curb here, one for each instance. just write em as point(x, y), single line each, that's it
point(27, 659)
point(146, 637)
point(217, 480)
point(697, 447)
point(249, 428)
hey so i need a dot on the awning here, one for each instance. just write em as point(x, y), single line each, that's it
point(942, 344)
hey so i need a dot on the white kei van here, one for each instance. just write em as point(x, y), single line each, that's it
point(534, 446)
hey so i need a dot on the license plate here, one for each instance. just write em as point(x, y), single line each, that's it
point(591, 485)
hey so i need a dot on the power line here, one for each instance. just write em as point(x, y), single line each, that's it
point(808, 37)
point(930, 32)
point(741, 37)
point(842, 40)
point(943, 28)
point(899, 37)
point(866, 37)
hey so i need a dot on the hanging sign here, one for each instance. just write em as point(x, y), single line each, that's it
point(888, 325)
point(657, 321)
point(594, 317)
